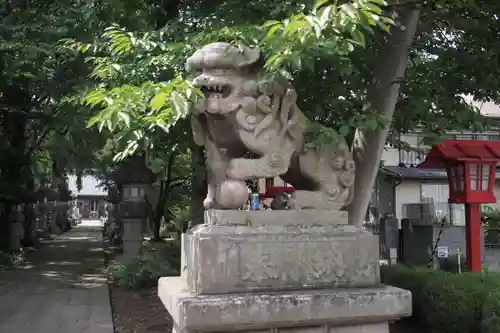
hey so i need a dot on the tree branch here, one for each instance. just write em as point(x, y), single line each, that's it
point(151, 210)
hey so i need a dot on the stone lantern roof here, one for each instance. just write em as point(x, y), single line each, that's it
point(133, 170)
point(113, 195)
point(46, 192)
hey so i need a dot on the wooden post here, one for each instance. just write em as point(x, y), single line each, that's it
point(473, 236)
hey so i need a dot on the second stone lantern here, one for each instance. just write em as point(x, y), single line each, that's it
point(134, 179)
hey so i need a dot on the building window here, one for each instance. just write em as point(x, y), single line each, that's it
point(492, 137)
point(411, 158)
point(436, 197)
point(482, 137)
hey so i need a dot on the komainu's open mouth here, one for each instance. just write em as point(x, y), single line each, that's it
point(216, 90)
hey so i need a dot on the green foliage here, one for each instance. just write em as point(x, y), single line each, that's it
point(490, 322)
point(119, 68)
point(445, 302)
point(180, 219)
point(329, 29)
point(491, 217)
point(317, 136)
point(450, 264)
point(42, 136)
point(10, 261)
point(144, 271)
point(140, 83)
point(492, 214)
point(138, 88)
point(170, 197)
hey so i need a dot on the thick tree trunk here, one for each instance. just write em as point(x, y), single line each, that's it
point(5, 225)
point(198, 184)
point(29, 212)
point(382, 97)
point(160, 210)
point(156, 230)
point(14, 122)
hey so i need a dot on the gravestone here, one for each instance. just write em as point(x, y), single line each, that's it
point(298, 270)
point(389, 239)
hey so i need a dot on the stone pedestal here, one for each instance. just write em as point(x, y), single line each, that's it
point(132, 239)
point(291, 271)
point(133, 213)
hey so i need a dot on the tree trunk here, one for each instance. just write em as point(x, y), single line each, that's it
point(29, 211)
point(160, 210)
point(5, 226)
point(14, 122)
point(29, 225)
point(382, 97)
point(198, 184)
point(156, 229)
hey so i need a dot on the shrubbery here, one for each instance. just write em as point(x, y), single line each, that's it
point(444, 302)
point(450, 264)
point(161, 260)
point(11, 260)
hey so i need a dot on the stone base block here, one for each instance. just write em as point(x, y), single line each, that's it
point(132, 230)
point(221, 258)
point(353, 310)
point(255, 218)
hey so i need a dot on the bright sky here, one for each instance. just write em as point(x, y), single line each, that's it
point(488, 109)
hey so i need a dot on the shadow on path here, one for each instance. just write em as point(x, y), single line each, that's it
point(62, 289)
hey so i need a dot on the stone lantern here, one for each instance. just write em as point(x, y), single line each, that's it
point(134, 179)
point(112, 226)
point(41, 208)
point(51, 203)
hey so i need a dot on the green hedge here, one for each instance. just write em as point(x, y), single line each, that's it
point(155, 261)
point(450, 303)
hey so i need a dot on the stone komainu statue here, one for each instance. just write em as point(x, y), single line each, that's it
point(243, 115)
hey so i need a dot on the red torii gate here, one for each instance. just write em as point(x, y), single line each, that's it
point(471, 168)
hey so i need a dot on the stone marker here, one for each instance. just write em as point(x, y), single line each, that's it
point(300, 270)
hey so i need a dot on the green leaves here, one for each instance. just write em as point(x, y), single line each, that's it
point(148, 104)
point(328, 51)
point(131, 97)
point(328, 29)
point(318, 136)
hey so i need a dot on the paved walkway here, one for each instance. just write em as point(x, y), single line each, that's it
point(62, 290)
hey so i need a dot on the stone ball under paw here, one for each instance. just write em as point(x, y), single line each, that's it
point(232, 194)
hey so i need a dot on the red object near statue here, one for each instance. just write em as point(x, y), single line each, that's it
point(271, 191)
point(471, 169)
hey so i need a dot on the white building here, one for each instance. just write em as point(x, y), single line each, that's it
point(401, 188)
point(90, 199)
